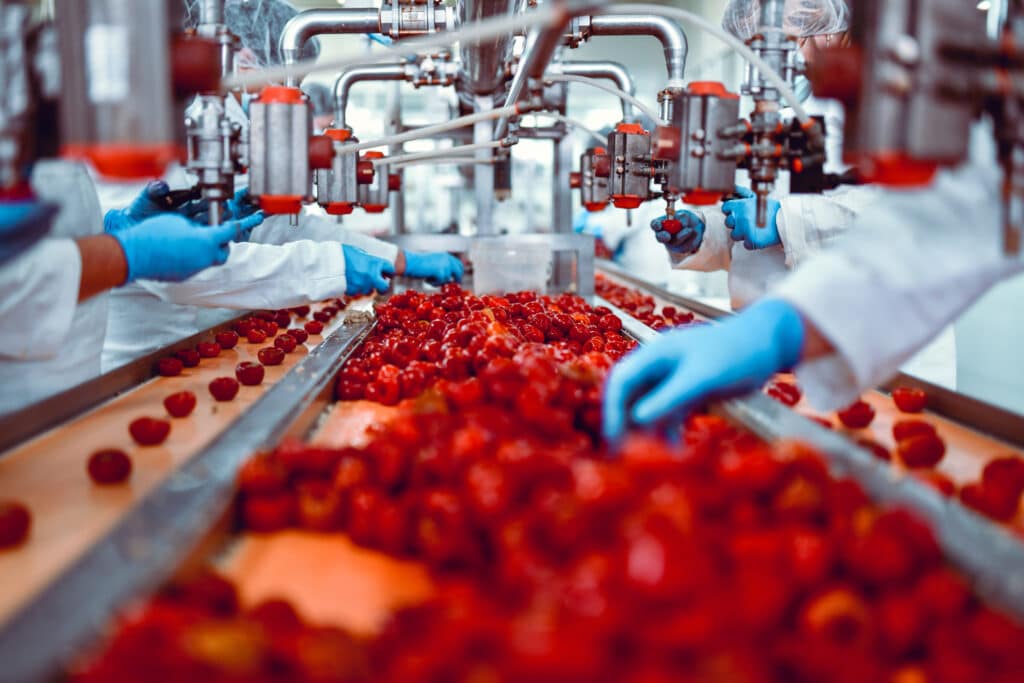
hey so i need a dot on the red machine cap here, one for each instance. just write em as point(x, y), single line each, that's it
point(894, 169)
point(595, 206)
point(338, 134)
point(274, 204)
point(711, 88)
point(126, 161)
point(339, 208)
point(701, 197)
point(375, 208)
point(281, 94)
point(321, 152)
point(627, 201)
point(623, 127)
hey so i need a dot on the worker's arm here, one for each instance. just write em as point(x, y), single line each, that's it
point(103, 265)
point(808, 223)
point(263, 276)
point(911, 265)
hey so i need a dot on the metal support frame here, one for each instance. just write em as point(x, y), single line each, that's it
point(306, 25)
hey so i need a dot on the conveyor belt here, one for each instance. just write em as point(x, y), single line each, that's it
point(147, 541)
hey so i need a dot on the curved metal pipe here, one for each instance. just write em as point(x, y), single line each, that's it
point(669, 32)
point(346, 79)
point(483, 62)
point(611, 71)
point(305, 25)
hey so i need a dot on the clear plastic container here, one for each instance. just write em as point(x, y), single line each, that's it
point(510, 264)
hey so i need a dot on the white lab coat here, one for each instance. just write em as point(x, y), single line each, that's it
point(634, 247)
point(912, 264)
point(807, 223)
point(280, 266)
point(49, 342)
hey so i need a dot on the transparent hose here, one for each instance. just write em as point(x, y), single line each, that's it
point(732, 41)
point(433, 153)
point(544, 15)
point(454, 159)
point(607, 87)
point(427, 131)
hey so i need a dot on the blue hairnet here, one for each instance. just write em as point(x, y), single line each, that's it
point(320, 98)
point(258, 24)
point(801, 17)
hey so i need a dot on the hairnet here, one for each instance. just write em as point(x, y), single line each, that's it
point(258, 24)
point(320, 98)
point(801, 17)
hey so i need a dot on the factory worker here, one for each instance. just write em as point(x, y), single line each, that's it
point(53, 310)
point(846, 319)
point(281, 265)
point(726, 237)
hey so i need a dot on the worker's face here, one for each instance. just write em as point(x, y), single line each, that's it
point(322, 122)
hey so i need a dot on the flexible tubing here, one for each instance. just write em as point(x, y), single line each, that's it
point(732, 41)
point(607, 87)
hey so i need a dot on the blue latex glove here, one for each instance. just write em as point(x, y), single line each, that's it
point(150, 202)
point(679, 370)
point(581, 225)
point(741, 217)
point(170, 247)
point(22, 224)
point(687, 239)
point(437, 268)
point(364, 272)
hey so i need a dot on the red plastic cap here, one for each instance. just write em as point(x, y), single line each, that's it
point(595, 206)
point(339, 208)
point(699, 197)
point(338, 134)
point(375, 208)
point(126, 161)
point(281, 94)
point(280, 204)
point(575, 180)
point(627, 201)
point(895, 169)
point(373, 154)
point(635, 128)
point(394, 182)
point(713, 88)
point(321, 152)
point(671, 225)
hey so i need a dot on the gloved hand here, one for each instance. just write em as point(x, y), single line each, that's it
point(22, 224)
point(365, 272)
point(437, 268)
point(680, 369)
point(170, 247)
point(682, 234)
point(741, 216)
point(154, 200)
point(237, 207)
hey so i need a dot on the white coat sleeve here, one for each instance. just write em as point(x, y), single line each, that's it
point(715, 251)
point(910, 266)
point(810, 222)
point(262, 276)
point(279, 230)
point(38, 296)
